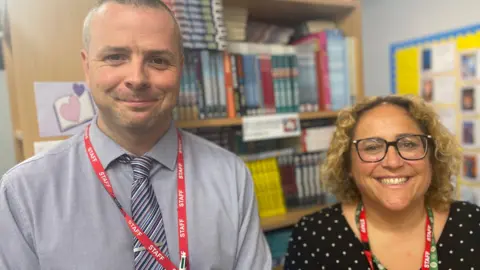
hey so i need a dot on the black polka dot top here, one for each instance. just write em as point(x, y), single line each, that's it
point(324, 240)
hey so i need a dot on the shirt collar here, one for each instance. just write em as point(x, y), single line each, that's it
point(164, 151)
point(107, 149)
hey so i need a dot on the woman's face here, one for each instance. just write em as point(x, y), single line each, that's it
point(393, 183)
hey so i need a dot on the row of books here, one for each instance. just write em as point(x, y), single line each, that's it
point(288, 181)
point(227, 84)
point(327, 62)
point(248, 79)
point(231, 138)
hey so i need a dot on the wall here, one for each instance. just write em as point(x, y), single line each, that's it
point(387, 21)
point(7, 156)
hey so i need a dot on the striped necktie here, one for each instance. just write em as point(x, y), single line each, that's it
point(146, 213)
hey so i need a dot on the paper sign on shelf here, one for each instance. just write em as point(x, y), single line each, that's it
point(263, 127)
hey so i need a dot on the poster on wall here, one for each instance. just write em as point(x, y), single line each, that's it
point(427, 89)
point(444, 69)
point(438, 58)
point(443, 57)
point(63, 108)
point(470, 133)
point(468, 65)
point(448, 118)
point(444, 89)
point(437, 82)
point(471, 162)
point(438, 89)
point(469, 100)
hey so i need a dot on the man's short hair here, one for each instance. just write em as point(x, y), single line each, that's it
point(158, 4)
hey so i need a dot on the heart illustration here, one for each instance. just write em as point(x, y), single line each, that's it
point(78, 89)
point(71, 111)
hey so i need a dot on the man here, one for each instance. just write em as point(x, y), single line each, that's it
point(130, 192)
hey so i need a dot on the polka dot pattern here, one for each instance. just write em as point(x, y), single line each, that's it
point(324, 240)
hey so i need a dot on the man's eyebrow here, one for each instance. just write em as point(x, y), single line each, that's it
point(113, 49)
point(160, 52)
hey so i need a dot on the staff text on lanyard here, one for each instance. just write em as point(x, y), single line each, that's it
point(429, 254)
point(134, 228)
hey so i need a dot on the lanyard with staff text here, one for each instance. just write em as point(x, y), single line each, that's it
point(429, 255)
point(139, 234)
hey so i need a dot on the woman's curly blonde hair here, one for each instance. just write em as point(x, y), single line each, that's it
point(446, 160)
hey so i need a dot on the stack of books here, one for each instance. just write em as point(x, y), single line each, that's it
point(201, 23)
point(236, 23)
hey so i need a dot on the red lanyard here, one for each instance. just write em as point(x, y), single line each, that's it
point(181, 206)
point(362, 224)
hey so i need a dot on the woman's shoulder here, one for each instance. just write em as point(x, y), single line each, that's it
point(316, 229)
point(327, 217)
point(464, 215)
point(464, 210)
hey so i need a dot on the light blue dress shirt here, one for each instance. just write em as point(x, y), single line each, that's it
point(55, 214)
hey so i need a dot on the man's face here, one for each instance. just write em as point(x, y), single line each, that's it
point(133, 65)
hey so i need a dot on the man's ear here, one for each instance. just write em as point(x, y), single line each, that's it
point(85, 65)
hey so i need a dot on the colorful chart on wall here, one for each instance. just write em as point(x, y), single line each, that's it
point(444, 69)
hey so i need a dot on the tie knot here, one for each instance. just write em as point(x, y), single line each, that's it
point(141, 165)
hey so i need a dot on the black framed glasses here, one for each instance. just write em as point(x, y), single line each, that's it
point(409, 147)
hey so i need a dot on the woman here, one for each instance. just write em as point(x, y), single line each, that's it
point(390, 165)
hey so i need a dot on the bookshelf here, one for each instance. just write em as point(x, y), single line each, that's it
point(347, 16)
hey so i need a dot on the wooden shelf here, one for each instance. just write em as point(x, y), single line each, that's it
point(289, 219)
point(213, 122)
point(317, 115)
point(226, 122)
point(295, 10)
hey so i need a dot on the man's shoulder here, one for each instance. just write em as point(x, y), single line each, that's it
point(47, 161)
